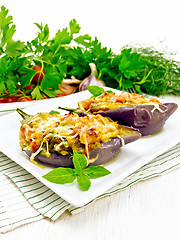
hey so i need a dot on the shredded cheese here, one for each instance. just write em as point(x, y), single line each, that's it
point(156, 106)
point(108, 101)
point(46, 133)
point(122, 141)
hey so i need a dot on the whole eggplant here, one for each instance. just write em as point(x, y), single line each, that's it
point(105, 153)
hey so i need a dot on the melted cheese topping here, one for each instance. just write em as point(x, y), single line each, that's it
point(45, 133)
point(108, 101)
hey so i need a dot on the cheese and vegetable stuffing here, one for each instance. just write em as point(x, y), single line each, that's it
point(45, 133)
point(109, 101)
point(130, 109)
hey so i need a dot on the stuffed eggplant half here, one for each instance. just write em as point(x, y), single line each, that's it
point(52, 138)
point(146, 115)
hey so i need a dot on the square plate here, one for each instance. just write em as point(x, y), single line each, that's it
point(11, 107)
point(131, 157)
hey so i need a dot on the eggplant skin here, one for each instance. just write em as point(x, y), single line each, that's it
point(142, 117)
point(106, 152)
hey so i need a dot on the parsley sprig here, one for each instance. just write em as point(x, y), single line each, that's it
point(81, 172)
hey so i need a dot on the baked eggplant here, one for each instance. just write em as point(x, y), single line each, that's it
point(146, 115)
point(145, 118)
point(52, 138)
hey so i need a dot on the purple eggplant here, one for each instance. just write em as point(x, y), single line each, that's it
point(146, 118)
point(105, 153)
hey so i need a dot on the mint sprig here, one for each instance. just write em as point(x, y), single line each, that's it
point(81, 172)
point(97, 91)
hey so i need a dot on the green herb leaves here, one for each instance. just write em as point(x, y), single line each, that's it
point(130, 64)
point(81, 172)
point(10, 50)
point(61, 175)
point(69, 54)
point(123, 70)
point(7, 29)
point(96, 90)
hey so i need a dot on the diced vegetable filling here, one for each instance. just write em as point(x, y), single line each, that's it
point(108, 101)
point(45, 133)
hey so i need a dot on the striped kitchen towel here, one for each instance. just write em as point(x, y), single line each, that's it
point(24, 199)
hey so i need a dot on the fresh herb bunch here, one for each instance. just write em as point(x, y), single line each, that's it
point(69, 54)
point(163, 73)
point(54, 55)
point(81, 172)
point(143, 70)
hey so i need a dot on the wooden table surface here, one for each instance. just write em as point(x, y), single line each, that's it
point(146, 210)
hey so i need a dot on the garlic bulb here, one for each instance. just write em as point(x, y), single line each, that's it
point(91, 80)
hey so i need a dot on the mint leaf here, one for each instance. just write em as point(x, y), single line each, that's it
point(109, 91)
point(96, 171)
point(95, 90)
point(54, 112)
point(79, 162)
point(68, 175)
point(61, 175)
point(83, 181)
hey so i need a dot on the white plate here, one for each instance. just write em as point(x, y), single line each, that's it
point(11, 107)
point(131, 157)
